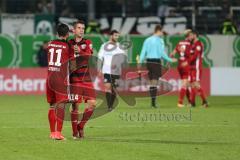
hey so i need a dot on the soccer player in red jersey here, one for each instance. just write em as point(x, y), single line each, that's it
point(183, 49)
point(196, 60)
point(81, 84)
point(58, 56)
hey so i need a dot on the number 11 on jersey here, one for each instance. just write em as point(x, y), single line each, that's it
point(58, 60)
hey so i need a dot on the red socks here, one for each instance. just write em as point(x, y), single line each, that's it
point(202, 95)
point(181, 95)
point(60, 118)
point(74, 120)
point(86, 115)
point(196, 91)
point(52, 119)
point(188, 94)
point(193, 95)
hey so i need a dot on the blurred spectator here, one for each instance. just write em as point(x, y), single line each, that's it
point(67, 12)
point(146, 4)
point(44, 7)
point(173, 13)
point(228, 27)
point(225, 8)
point(93, 27)
point(42, 58)
point(163, 11)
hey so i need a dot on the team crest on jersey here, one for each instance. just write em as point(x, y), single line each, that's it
point(199, 48)
point(90, 46)
point(182, 54)
point(83, 46)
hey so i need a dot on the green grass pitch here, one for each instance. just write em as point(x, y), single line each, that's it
point(199, 134)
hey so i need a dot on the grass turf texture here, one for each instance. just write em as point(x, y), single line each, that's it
point(210, 134)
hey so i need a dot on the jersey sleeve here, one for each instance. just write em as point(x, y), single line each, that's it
point(89, 46)
point(197, 52)
point(177, 48)
point(101, 52)
point(162, 50)
point(143, 52)
point(71, 51)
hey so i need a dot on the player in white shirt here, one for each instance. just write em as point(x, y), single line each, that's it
point(112, 56)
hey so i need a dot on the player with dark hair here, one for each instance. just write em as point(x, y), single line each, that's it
point(112, 57)
point(58, 56)
point(183, 49)
point(81, 84)
point(196, 69)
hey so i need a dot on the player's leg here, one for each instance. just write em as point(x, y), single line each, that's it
point(89, 96)
point(60, 112)
point(189, 90)
point(196, 87)
point(193, 94)
point(51, 112)
point(201, 93)
point(76, 96)
point(108, 90)
point(184, 75)
point(114, 85)
point(153, 91)
point(61, 101)
point(91, 104)
point(52, 121)
point(188, 93)
point(193, 89)
point(182, 93)
point(113, 97)
point(74, 119)
point(154, 73)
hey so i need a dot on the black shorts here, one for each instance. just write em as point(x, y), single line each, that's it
point(110, 78)
point(154, 68)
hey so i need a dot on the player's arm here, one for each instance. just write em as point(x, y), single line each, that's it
point(72, 59)
point(164, 54)
point(172, 55)
point(100, 59)
point(197, 52)
point(143, 52)
point(89, 46)
point(175, 51)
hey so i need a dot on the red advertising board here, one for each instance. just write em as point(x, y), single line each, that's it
point(172, 77)
point(32, 81)
point(23, 81)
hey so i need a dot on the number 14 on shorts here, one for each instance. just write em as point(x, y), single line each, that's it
point(73, 97)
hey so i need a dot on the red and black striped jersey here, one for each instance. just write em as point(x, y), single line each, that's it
point(81, 52)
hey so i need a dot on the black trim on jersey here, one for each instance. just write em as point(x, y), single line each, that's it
point(61, 40)
point(79, 74)
point(73, 42)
